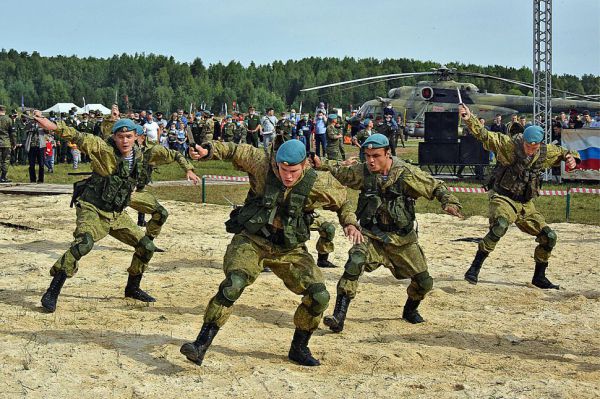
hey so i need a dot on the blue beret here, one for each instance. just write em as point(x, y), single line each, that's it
point(292, 152)
point(366, 121)
point(533, 134)
point(333, 116)
point(377, 140)
point(139, 130)
point(198, 113)
point(123, 125)
point(228, 116)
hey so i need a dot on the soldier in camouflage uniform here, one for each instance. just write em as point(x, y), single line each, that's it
point(365, 133)
point(143, 201)
point(228, 130)
point(271, 229)
point(513, 187)
point(100, 203)
point(195, 130)
point(7, 143)
point(388, 188)
point(335, 138)
point(240, 133)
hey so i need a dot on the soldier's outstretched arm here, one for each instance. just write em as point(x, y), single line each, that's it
point(329, 194)
point(159, 155)
point(500, 143)
point(244, 157)
point(350, 175)
point(555, 154)
point(101, 153)
point(422, 184)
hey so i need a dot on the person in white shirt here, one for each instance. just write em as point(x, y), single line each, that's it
point(151, 128)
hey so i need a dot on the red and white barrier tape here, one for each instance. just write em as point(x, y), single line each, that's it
point(476, 190)
point(226, 178)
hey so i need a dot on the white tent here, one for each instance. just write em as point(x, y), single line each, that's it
point(63, 107)
point(96, 107)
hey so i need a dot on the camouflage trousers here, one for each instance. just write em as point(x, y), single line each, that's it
point(92, 226)
point(503, 212)
point(144, 202)
point(402, 255)
point(245, 258)
point(326, 234)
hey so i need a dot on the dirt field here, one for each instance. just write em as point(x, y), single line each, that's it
point(500, 339)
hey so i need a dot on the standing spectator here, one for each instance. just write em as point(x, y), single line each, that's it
point(365, 133)
point(320, 134)
point(253, 126)
point(303, 130)
point(228, 129)
point(36, 146)
point(162, 124)
point(334, 139)
point(181, 117)
point(76, 154)
point(498, 126)
point(587, 119)
point(49, 153)
point(172, 123)
point(7, 143)
point(385, 127)
point(180, 144)
point(143, 117)
point(151, 129)
point(98, 124)
point(268, 123)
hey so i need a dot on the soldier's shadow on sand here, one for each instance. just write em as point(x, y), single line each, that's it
point(55, 248)
point(538, 349)
point(29, 299)
point(139, 347)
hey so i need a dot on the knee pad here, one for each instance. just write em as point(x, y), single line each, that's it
point(232, 287)
point(319, 298)
point(498, 229)
point(83, 246)
point(424, 282)
point(145, 249)
point(327, 231)
point(163, 214)
point(355, 265)
point(547, 238)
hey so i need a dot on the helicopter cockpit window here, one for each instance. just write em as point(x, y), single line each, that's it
point(365, 110)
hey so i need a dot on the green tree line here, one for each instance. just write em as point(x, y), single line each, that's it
point(157, 82)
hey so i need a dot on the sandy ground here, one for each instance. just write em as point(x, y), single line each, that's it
point(502, 338)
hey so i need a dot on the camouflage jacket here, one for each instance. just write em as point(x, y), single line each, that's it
point(7, 136)
point(326, 193)
point(503, 146)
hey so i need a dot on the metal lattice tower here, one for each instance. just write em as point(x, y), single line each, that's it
point(542, 67)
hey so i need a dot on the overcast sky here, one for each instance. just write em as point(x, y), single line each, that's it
point(485, 32)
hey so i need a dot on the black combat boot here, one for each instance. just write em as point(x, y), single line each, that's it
point(410, 313)
point(133, 290)
point(195, 351)
point(141, 219)
point(335, 322)
point(473, 272)
point(539, 277)
point(323, 262)
point(299, 351)
point(51, 296)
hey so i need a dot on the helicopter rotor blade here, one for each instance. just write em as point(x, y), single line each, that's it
point(364, 84)
point(394, 75)
point(519, 83)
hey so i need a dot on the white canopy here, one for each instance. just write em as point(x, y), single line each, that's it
point(96, 107)
point(63, 107)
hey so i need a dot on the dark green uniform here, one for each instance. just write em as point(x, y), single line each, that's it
point(386, 214)
point(240, 133)
point(513, 189)
point(228, 131)
point(7, 141)
point(20, 154)
point(364, 134)
point(252, 123)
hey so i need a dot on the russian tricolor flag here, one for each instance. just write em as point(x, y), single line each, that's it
point(587, 143)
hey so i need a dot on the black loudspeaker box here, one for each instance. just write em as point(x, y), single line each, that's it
point(441, 127)
point(438, 153)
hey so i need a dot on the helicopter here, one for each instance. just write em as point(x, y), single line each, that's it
point(440, 95)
